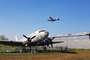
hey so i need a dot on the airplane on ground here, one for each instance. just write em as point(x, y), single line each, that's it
point(37, 38)
point(54, 19)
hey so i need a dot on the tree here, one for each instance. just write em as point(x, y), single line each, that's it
point(2, 37)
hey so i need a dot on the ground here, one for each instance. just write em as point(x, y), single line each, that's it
point(73, 54)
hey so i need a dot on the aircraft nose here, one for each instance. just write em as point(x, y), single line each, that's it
point(46, 33)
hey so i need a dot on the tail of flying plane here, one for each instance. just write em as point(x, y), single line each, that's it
point(16, 39)
point(58, 18)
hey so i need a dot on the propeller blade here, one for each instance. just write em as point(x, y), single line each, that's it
point(33, 37)
point(25, 36)
point(29, 40)
point(50, 40)
point(51, 45)
point(53, 38)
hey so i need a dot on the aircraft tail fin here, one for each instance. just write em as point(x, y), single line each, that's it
point(16, 39)
point(58, 18)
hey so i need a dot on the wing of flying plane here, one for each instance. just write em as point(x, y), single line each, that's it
point(51, 18)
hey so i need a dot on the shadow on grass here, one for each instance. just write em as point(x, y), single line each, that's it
point(47, 51)
point(56, 51)
point(11, 52)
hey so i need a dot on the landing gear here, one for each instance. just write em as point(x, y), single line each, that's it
point(23, 50)
point(44, 49)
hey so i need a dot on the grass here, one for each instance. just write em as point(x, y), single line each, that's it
point(49, 56)
point(72, 54)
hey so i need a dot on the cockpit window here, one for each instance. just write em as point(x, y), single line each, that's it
point(41, 31)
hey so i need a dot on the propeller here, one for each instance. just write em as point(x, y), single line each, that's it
point(50, 41)
point(29, 39)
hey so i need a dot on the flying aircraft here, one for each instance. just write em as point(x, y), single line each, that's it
point(54, 19)
point(37, 38)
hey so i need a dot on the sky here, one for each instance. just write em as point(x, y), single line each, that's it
point(18, 17)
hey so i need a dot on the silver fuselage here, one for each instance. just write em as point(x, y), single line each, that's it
point(40, 36)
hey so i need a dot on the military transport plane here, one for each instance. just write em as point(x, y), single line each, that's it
point(54, 19)
point(37, 38)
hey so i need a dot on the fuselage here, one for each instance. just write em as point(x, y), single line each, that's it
point(40, 36)
point(54, 19)
point(51, 20)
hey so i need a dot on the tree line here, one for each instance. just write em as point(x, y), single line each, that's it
point(2, 37)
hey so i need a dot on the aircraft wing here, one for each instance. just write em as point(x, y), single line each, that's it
point(57, 42)
point(51, 18)
point(10, 43)
point(53, 42)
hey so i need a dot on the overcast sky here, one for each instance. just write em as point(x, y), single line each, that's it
point(18, 17)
